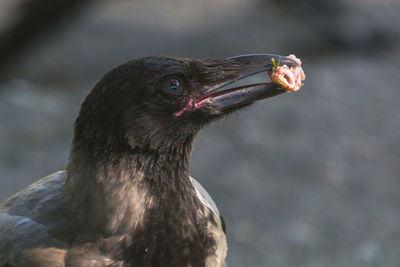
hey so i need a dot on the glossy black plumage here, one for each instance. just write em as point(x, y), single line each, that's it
point(126, 197)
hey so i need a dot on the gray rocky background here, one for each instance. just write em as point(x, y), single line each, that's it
point(310, 178)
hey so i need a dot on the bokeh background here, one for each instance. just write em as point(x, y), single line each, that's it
point(310, 178)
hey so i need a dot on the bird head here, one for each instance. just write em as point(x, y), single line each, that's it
point(158, 103)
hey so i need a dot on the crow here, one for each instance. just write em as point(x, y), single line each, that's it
point(126, 197)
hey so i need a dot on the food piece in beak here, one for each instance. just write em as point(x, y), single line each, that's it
point(290, 78)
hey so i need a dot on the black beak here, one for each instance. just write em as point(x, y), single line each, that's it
point(221, 99)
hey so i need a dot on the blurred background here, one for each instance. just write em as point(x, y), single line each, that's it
point(310, 178)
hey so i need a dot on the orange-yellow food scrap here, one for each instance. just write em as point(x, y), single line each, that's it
point(290, 78)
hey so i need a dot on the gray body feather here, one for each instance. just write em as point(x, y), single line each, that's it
point(36, 232)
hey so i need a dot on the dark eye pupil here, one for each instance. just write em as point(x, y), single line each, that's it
point(174, 84)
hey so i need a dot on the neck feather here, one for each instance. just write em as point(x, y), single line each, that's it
point(147, 198)
point(109, 191)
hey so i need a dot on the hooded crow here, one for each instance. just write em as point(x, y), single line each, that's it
point(126, 197)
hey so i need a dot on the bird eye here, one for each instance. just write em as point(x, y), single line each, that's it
point(173, 86)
